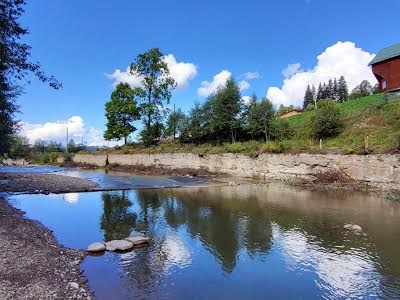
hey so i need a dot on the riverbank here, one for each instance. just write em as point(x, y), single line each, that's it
point(33, 264)
point(43, 183)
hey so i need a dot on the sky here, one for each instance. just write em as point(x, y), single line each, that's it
point(271, 48)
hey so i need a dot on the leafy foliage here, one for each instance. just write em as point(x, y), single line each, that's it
point(174, 124)
point(327, 121)
point(121, 112)
point(155, 89)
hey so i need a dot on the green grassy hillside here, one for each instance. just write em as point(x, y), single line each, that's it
point(376, 116)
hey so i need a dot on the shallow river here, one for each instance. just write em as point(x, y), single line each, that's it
point(242, 242)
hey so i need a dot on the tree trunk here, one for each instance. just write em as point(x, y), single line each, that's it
point(125, 139)
point(149, 110)
point(265, 132)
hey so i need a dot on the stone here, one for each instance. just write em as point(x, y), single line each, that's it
point(232, 183)
point(96, 247)
point(121, 245)
point(75, 285)
point(356, 229)
point(137, 240)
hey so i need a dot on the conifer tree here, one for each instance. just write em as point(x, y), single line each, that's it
point(342, 93)
point(308, 97)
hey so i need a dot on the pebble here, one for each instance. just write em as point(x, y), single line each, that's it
point(75, 285)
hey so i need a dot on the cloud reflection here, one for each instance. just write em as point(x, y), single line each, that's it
point(341, 272)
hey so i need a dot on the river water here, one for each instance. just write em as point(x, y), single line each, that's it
point(250, 241)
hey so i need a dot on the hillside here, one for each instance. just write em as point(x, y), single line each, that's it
point(376, 116)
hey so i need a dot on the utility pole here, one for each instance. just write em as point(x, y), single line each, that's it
point(66, 144)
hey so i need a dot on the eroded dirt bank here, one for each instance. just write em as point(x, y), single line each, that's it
point(33, 264)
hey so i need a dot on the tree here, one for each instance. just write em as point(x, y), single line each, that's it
point(174, 123)
point(308, 97)
point(155, 89)
point(260, 119)
point(342, 90)
point(14, 67)
point(226, 106)
point(121, 112)
point(319, 92)
point(361, 90)
point(327, 120)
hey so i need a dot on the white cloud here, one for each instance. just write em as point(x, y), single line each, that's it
point(244, 85)
point(207, 88)
point(251, 75)
point(57, 131)
point(292, 69)
point(342, 58)
point(246, 100)
point(182, 72)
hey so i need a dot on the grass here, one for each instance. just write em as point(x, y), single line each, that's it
point(376, 116)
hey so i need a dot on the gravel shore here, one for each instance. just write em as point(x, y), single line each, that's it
point(43, 183)
point(33, 265)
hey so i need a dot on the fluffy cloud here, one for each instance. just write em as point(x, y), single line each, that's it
point(207, 87)
point(56, 131)
point(246, 100)
point(180, 71)
point(342, 58)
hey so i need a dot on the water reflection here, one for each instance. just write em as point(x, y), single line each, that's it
point(117, 220)
point(71, 197)
point(232, 242)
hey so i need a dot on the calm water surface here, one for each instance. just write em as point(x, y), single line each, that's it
point(245, 242)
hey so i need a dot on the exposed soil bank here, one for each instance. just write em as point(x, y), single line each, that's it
point(33, 265)
point(43, 183)
point(374, 169)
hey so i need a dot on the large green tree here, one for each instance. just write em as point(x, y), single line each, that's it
point(121, 112)
point(260, 119)
point(226, 106)
point(154, 90)
point(15, 66)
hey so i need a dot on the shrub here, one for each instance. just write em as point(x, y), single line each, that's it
point(327, 120)
point(283, 130)
point(310, 107)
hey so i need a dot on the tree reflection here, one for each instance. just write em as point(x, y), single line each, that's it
point(117, 220)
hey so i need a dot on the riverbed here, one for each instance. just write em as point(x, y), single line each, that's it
point(251, 241)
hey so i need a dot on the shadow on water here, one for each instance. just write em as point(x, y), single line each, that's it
point(249, 241)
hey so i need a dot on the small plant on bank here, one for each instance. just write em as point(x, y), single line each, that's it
point(327, 121)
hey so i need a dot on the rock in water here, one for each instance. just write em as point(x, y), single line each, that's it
point(356, 229)
point(96, 247)
point(121, 245)
point(137, 240)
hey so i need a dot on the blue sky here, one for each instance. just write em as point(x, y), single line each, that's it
point(81, 41)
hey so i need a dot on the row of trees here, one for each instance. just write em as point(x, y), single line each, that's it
point(334, 89)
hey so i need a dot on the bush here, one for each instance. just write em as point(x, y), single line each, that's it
point(310, 107)
point(151, 136)
point(283, 130)
point(327, 120)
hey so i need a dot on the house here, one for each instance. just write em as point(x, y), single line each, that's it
point(294, 112)
point(386, 68)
